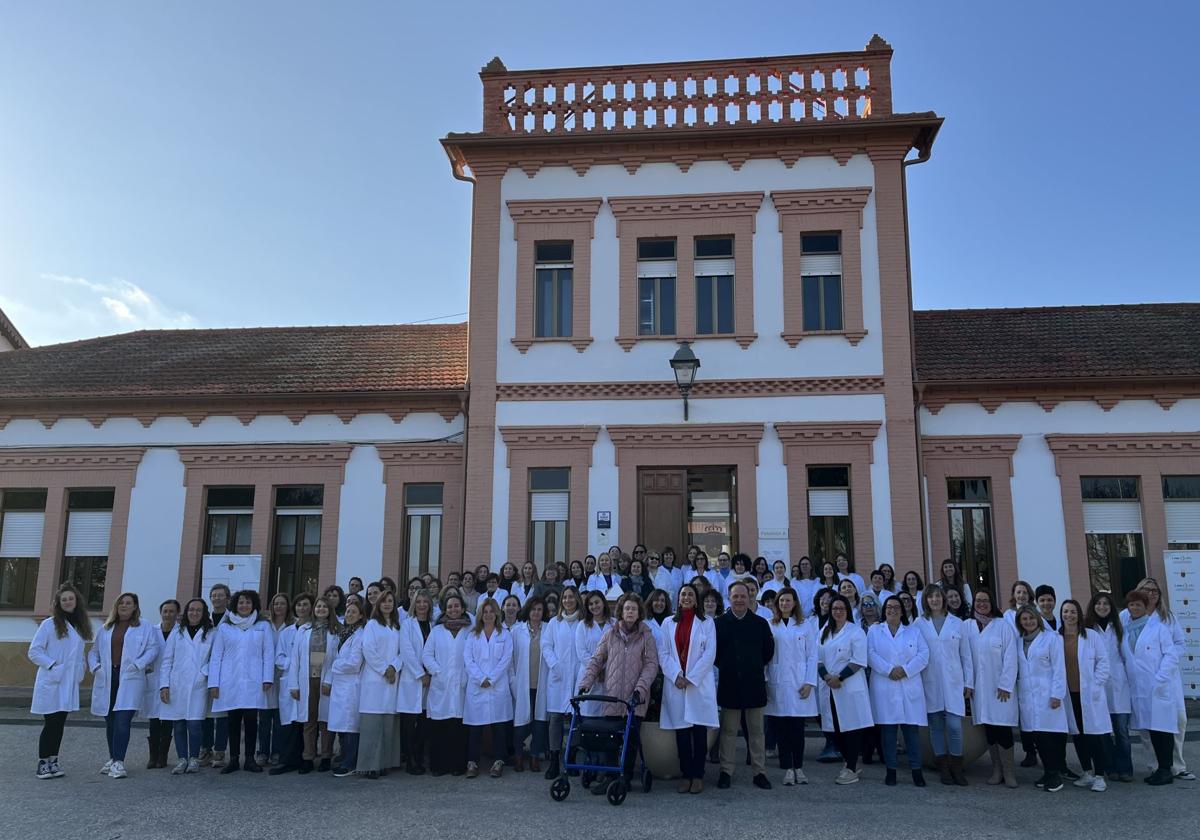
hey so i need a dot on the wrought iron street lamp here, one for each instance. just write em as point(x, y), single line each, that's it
point(685, 364)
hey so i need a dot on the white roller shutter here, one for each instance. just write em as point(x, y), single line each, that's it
point(21, 534)
point(88, 532)
point(549, 507)
point(828, 503)
point(424, 510)
point(657, 268)
point(714, 268)
point(821, 264)
point(1183, 522)
point(1112, 518)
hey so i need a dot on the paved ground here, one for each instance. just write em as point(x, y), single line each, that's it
point(154, 804)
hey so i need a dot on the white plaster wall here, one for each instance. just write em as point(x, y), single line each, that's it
point(603, 493)
point(155, 529)
point(772, 497)
point(361, 517)
point(881, 507)
point(768, 356)
point(500, 479)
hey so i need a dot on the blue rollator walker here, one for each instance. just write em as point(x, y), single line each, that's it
point(602, 736)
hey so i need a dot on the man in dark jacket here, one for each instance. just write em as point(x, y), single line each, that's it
point(744, 647)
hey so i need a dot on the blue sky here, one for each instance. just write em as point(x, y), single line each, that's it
point(231, 164)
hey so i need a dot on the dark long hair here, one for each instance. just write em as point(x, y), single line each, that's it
point(1093, 622)
point(205, 618)
point(827, 630)
point(393, 618)
point(900, 604)
point(697, 610)
point(77, 618)
point(1062, 625)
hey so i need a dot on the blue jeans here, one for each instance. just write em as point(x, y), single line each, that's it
point(270, 733)
point(349, 757)
point(188, 735)
point(215, 734)
point(116, 732)
point(912, 744)
point(946, 733)
point(1119, 749)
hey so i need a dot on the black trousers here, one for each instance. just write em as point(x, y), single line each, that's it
point(1091, 749)
point(999, 736)
point(413, 736)
point(1163, 744)
point(52, 734)
point(1028, 743)
point(1053, 748)
point(449, 740)
point(239, 719)
point(850, 744)
point(499, 750)
point(692, 744)
point(789, 734)
point(291, 746)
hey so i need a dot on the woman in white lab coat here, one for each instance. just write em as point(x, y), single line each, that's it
point(313, 651)
point(844, 698)
point(994, 705)
point(792, 683)
point(290, 747)
point(1102, 619)
point(596, 619)
point(240, 673)
point(270, 730)
point(379, 741)
point(414, 682)
point(57, 651)
point(523, 586)
point(951, 578)
point(158, 740)
point(183, 682)
point(345, 675)
point(779, 579)
point(529, 683)
point(606, 580)
point(562, 670)
point(1155, 685)
point(949, 681)
point(687, 649)
point(442, 659)
point(125, 647)
point(487, 658)
point(1042, 692)
point(845, 568)
point(1086, 660)
point(1160, 611)
point(897, 654)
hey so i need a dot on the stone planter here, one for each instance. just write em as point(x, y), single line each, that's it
point(974, 744)
point(658, 746)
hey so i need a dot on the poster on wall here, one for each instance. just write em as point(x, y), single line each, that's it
point(1183, 592)
point(237, 571)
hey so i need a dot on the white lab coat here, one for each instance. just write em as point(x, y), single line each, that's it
point(184, 673)
point(666, 580)
point(1042, 675)
point(410, 691)
point(806, 589)
point(774, 586)
point(696, 703)
point(522, 591)
point(793, 666)
point(241, 662)
point(380, 650)
point(488, 659)
point(562, 666)
point(345, 676)
point(443, 659)
point(519, 675)
point(1116, 690)
point(951, 667)
point(273, 693)
point(897, 701)
point(857, 578)
point(848, 645)
point(60, 669)
point(289, 709)
point(1010, 615)
point(138, 653)
point(151, 702)
point(1155, 685)
point(994, 655)
point(498, 596)
point(296, 677)
point(1093, 677)
point(596, 583)
point(587, 639)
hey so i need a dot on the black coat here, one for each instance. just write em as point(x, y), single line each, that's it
point(744, 647)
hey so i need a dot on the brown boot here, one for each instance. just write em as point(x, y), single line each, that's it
point(955, 763)
point(1010, 773)
point(943, 767)
point(997, 771)
point(520, 768)
point(535, 765)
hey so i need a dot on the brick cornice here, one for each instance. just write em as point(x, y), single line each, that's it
point(703, 389)
point(935, 396)
point(1168, 444)
point(268, 456)
point(542, 438)
point(957, 446)
point(398, 454)
point(685, 436)
point(698, 206)
point(820, 202)
point(808, 434)
point(554, 210)
point(72, 458)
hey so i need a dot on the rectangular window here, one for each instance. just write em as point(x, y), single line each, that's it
point(970, 513)
point(1112, 525)
point(230, 514)
point(89, 527)
point(422, 529)
point(553, 289)
point(821, 281)
point(296, 560)
point(657, 272)
point(22, 521)
point(829, 527)
point(549, 514)
point(1181, 498)
point(714, 285)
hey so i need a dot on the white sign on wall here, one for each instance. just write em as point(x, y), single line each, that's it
point(237, 571)
point(1183, 592)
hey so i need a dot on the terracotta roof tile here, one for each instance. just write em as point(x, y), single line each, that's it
point(1069, 342)
point(9, 330)
point(260, 361)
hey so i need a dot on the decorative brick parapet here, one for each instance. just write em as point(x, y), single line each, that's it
point(703, 389)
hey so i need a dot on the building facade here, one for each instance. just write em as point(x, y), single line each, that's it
point(755, 209)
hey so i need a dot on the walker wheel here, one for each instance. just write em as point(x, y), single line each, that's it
point(560, 790)
point(647, 780)
point(616, 792)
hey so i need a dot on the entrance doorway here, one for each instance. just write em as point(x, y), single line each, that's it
point(679, 507)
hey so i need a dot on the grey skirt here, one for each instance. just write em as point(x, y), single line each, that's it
point(378, 743)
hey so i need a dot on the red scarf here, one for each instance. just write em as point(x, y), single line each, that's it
point(683, 636)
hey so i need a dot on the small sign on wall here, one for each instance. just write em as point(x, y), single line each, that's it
point(772, 533)
point(604, 520)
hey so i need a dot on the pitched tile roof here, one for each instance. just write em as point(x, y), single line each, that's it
point(1070, 342)
point(9, 330)
point(259, 362)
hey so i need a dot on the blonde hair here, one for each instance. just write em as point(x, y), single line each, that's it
point(134, 620)
point(488, 602)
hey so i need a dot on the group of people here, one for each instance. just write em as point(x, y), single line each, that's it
point(478, 673)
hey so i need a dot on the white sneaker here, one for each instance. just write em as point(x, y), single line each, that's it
point(801, 779)
point(789, 778)
point(107, 766)
point(1084, 781)
point(193, 765)
point(846, 777)
point(1099, 785)
point(180, 768)
point(56, 772)
point(117, 771)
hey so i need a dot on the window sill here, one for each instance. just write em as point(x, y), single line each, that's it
point(744, 340)
point(20, 612)
point(853, 336)
point(580, 343)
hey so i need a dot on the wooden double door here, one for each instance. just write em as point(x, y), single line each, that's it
point(682, 506)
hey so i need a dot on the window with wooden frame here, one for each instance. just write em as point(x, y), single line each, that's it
point(422, 529)
point(1181, 499)
point(657, 272)
point(714, 269)
point(830, 530)
point(821, 279)
point(296, 560)
point(549, 514)
point(22, 522)
point(1112, 526)
point(553, 288)
point(85, 557)
point(229, 517)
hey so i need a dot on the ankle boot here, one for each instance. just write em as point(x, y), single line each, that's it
point(956, 770)
point(1010, 772)
point(552, 771)
point(918, 777)
point(997, 771)
point(943, 769)
point(152, 745)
